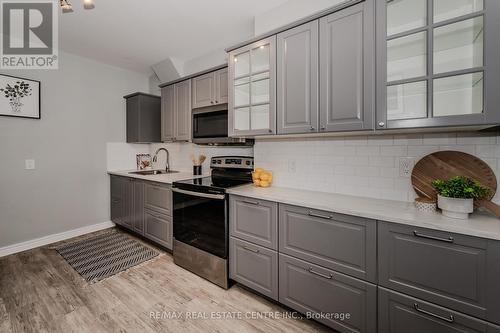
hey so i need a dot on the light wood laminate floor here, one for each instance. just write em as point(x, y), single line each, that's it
point(40, 292)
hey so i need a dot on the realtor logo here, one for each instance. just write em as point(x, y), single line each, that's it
point(29, 38)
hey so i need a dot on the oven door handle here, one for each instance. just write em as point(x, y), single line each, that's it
point(199, 194)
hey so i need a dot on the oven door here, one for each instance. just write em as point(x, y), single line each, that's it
point(200, 220)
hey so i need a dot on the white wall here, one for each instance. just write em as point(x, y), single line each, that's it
point(364, 166)
point(82, 109)
point(289, 12)
point(206, 61)
point(180, 154)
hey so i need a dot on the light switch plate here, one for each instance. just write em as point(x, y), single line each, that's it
point(29, 164)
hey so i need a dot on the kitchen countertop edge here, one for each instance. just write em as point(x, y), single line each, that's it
point(165, 178)
point(480, 224)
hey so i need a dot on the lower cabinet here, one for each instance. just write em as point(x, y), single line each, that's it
point(400, 313)
point(329, 267)
point(122, 201)
point(343, 303)
point(158, 227)
point(143, 207)
point(455, 271)
point(138, 207)
point(346, 244)
point(254, 266)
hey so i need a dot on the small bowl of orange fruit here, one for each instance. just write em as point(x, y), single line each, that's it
point(262, 178)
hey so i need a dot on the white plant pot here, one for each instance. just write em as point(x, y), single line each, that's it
point(456, 208)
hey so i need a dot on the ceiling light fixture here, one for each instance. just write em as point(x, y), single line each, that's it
point(67, 8)
point(88, 4)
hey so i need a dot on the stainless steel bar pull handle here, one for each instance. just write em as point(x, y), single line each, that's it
point(251, 250)
point(255, 203)
point(327, 217)
point(329, 277)
point(449, 319)
point(447, 240)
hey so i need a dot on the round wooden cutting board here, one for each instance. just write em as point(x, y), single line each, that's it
point(447, 164)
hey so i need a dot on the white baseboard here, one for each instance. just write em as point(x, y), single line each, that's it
point(34, 243)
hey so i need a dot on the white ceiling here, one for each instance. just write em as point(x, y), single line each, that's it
point(136, 34)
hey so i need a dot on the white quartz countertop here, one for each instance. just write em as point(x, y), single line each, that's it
point(480, 224)
point(166, 178)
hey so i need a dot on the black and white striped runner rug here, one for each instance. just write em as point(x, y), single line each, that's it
point(99, 257)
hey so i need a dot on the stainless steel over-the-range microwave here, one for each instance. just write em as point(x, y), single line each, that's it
point(210, 127)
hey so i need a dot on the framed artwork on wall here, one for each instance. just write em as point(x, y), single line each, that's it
point(19, 97)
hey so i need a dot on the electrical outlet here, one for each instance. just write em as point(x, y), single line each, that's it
point(406, 165)
point(292, 167)
point(29, 164)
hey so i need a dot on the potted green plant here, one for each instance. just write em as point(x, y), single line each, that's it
point(456, 196)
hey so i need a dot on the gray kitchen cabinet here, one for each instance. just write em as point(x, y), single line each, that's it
point(143, 118)
point(128, 206)
point(455, 271)
point(400, 313)
point(176, 112)
point(167, 113)
point(203, 90)
point(347, 304)
point(183, 111)
point(143, 207)
point(158, 228)
point(437, 63)
point(297, 79)
point(252, 89)
point(254, 266)
point(347, 62)
point(254, 220)
point(344, 243)
point(158, 197)
point(221, 88)
point(118, 212)
point(210, 89)
point(138, 207)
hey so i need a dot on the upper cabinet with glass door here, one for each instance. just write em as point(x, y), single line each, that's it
point(252, 89)
point(438, 63)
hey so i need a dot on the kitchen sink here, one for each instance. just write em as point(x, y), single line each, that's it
point(153, 172)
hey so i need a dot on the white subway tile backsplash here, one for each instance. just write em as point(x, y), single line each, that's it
point(393, 150)
point(365, 166)
point(382, 161)
point(476, 139)
point(381, 140)
point(356, 160)
point(356, 141)
point(420, 151)
point(368, 150)
point(440, 139)
point(389, 172)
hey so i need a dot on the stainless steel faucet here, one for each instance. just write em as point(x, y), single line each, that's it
point(155, 158)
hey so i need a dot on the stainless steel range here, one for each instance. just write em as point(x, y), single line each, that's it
point(201, 231)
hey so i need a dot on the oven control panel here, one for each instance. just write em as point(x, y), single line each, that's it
point(239, 162)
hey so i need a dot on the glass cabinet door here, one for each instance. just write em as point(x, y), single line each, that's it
point(252, 92)
point(433, 62)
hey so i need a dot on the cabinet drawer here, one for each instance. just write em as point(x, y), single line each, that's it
point(158, 197)
point(312, 289)
point(455, 271)
point(254, 266)
point(344, 243)
point(401, 313)
point(254, 220)
point(158, 228)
